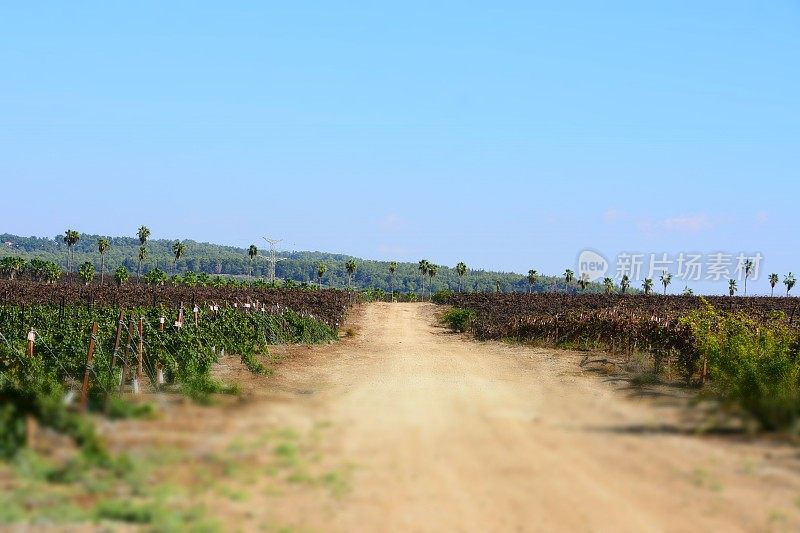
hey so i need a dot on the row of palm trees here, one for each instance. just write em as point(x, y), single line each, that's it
point(430, 270)
point(425, 267)
point(72, 237)
point(350, 268)
point(666, 278)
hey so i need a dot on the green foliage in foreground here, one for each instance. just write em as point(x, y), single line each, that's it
point(37, 386)
point(754, 367)
point(33, 391)
point(459, 319)
point(43, 493)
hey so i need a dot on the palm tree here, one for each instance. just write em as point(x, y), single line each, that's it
point(52, 272)
point(190, 279)
point(37, 268)
point(647, 286)
point(252, 252)
point(461, 270)
point(773, 280)
point(666, 279)
point(12, 266)
point(687, 291)
point(747, 268)
point(156, 277)
point(144, 234)
point(608, 283)
point(533, 277)
point(569, 276)
point(71, 238)
point(392, 270)
point(583, 282)
point(423, 270)
point(87, 272)
point(350, 267)
point(432, 271)
point(177, 249)
point(142, 257)
point(731, 286)
point(321, 269)
point(789, 281)
point(102, 247)
point(497, 285)
point(624, 283)
point(121, 275)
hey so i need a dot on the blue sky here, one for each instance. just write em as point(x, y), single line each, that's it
point(509, 135)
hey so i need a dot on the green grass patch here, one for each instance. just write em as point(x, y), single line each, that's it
point(120, 408)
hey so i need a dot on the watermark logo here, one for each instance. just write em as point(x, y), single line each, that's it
point(591, 265)
point(684, 266)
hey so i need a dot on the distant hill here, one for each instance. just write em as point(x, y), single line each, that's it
point(298, 266)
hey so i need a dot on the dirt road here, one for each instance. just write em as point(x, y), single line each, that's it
point(424, 430)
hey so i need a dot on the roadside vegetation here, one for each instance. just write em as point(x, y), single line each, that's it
point(74, 341)
point(745, 352)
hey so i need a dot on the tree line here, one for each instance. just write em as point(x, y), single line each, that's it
point(102, 257)
point(158, 261)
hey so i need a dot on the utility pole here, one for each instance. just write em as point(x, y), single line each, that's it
point(273, 258)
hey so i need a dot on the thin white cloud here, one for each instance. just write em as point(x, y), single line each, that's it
point(392, 222)
point(693, 223)
point(687, 223)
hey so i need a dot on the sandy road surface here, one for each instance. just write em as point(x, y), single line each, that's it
point(447, 434)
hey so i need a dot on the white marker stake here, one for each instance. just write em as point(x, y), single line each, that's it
point(31, 342)
point(69, 397)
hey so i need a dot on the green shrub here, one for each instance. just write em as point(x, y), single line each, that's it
point(120, 408)
point(459, 319)
point(199, 387)
point(32, 390)
point(373, 295)
point(12, 430)
point(754, 367)
point(253, 364)
point(442, 297)
point(124, 511)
